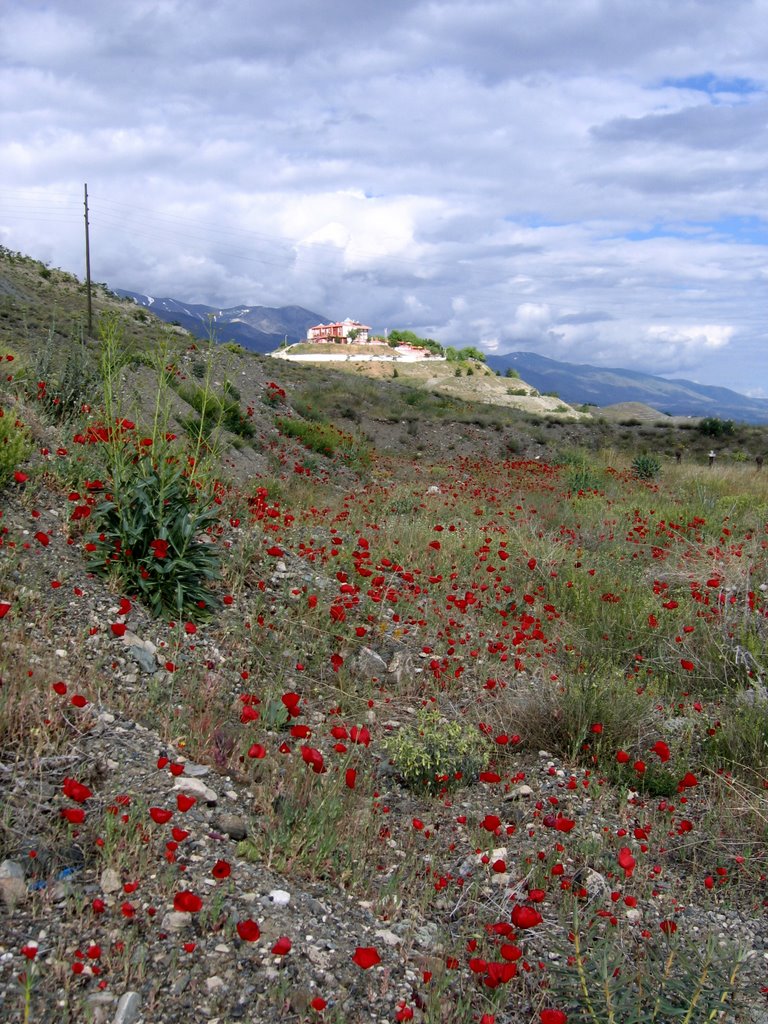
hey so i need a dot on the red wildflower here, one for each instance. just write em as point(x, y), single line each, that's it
point(490, 822)
point(687, 782)
point(75, 790)
point(187, 901)
point(74, 815)
point(248, 930)
point(687, 665)
point(160, 815)
point(366, 956)
point(282, 946)
point(221, 869)
point(4, 609)
point(626, 861)
point(661, 749)
point(525, 917)
point(184, 802)
point(313, 758)
point(553, 1017)
point(350, 778)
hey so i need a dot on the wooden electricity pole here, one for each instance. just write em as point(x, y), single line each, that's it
point(88, 266)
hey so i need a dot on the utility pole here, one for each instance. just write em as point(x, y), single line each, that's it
point(88, 265)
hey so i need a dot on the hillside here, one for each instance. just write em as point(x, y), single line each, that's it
point(471, 380)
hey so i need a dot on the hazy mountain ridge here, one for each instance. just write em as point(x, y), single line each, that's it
point(257, 328)
point(582, 383)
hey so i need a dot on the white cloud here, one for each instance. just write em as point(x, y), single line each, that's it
point(506, 175)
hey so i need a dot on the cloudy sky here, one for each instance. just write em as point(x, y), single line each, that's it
point(583, 178)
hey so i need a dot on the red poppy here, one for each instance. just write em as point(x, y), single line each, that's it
point(350, 778)
point(184, 802)
point(366, 956)
point(282, 946)
point(248, 930)
point(490, 822)
point(553, 1017)
point(668, 927)
point(221, 869)
point(74, 815)
point(4, 609)
point(687, 782)
point(360, 735)
point(687, 665)
point(160, 815)
point(60, 688)
point(313, 758)
point(187, 901)
point(318, 1004)
point(29, 951)
point(257, 751)
point(75, 790)
point(626, 861)
point(661, 749)
point(525, 917)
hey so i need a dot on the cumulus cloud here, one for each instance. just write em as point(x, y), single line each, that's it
point(587, 180)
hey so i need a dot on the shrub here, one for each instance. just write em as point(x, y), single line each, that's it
point(434, 755)
point(607, 977)
point(740, 743)
point(149, 527)
point(325, 439)
point(149, 531)
point(711, 426)
point(645, 467)
point(15, 444)
point(586, 717)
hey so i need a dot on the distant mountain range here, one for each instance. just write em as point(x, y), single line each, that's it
point(580, 384)
point(257, 328)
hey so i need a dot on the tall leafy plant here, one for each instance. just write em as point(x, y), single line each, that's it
point(153, 526)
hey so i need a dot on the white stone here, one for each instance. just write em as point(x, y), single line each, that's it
point(195, 787)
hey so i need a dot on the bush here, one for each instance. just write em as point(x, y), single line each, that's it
point(585, 717)
point(435, 755)
point(740, 743)
point(148, 531)
point(711, 426)
point(325, 439)
point(15, 444)
point(149, 527)
point(645, 467)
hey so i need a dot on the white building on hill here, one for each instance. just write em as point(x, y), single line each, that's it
point(345, 333)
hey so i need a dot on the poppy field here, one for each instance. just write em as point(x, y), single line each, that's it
point(505, 719)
